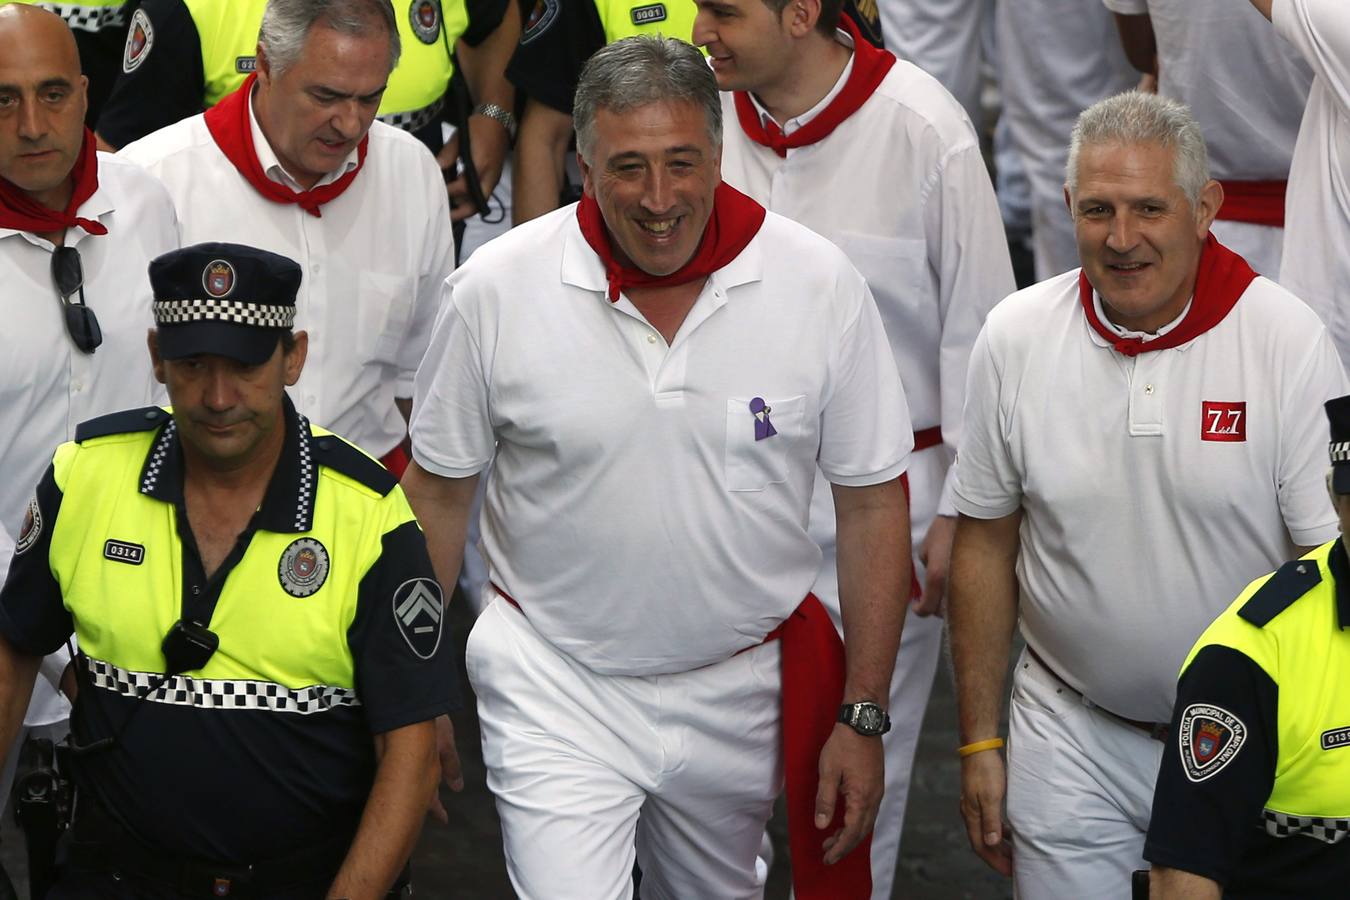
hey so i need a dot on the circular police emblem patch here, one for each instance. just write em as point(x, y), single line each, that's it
point(545, 11)
point(303, 568)
point(140, 38)
point(425, 17)
point(218, 278)
point(1209, 738)
point(32, 528)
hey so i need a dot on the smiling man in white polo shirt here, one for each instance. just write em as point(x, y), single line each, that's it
point(1141, 439)
point(655, 375)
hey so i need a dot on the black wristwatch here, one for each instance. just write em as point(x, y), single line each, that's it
point(866, 718)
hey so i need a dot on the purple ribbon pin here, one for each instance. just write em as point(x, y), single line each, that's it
point(763, 427)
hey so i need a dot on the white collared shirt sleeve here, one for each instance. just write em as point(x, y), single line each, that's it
point(865, 434)
point(1307, 514)
point(451, 425)
point(1127, 7)
point(438, 261)
point(1320, 29)
point(988, 484)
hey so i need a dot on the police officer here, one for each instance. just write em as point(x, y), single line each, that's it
point(1253, 798)
point(259, 625)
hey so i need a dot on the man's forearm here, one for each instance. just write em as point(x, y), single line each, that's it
point(1138, 41)
point(393, 815)
point(1174, 884)
point(18, 671)
point(982, 612)
point(541, 155)
point(442, 508)
point(1263, 6)
point(485, 65)
point(872, 525)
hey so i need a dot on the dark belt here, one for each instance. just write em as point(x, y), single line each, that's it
point(100, 844)
point(1156, 730)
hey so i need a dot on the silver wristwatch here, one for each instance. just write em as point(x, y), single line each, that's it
point(866, 718)
point(501, 115)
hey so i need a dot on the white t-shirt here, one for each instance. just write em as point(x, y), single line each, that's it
point(636, 509)
point(900, 186)
point(1153, 488)
point(48, 386)
point(1316, 266)
point(373, 263)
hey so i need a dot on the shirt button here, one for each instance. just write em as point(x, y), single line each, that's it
point(317, 266)
point(196, 591)
point(1148, 389)
point(77, 386)
point(651, 339)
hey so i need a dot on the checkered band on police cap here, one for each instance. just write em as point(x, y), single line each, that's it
point(1338, 417)
point(229, 283)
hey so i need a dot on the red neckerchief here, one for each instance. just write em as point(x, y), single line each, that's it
point(229, 125)
point(734, 222)
point(22, 213)
point(1221, 280)
point(870, 66)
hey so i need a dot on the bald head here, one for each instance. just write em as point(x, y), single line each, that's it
point(42, 102)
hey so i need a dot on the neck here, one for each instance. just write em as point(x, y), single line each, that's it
point(813, 74)
point(1150, 323)
point(57, 198)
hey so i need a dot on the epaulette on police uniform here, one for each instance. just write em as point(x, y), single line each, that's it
point(335, 453)
point(147, 418)
point(1291, 581)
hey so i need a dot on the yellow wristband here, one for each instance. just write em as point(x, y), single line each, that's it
point(978, 746)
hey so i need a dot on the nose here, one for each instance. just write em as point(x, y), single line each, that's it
point(1123, 236)
point(32, 123)
point(347, 119)
point(704, 33)
point(220, 393)
point(659, 195)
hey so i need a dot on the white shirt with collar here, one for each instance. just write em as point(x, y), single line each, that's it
point(373, 262)
point(1153, 487)
point(48, 386)
point(630, 509)
point(1316, 266)
point(900, 186)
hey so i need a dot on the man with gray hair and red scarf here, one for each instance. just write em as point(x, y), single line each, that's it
point(655, 375)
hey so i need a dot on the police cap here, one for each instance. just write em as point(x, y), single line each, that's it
point(223, 299)
point(1338, 414)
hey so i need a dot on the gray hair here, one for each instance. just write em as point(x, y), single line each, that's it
point(286, 25)
point(641, 70)
point(1138, 118)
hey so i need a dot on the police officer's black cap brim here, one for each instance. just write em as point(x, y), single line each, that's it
point(247, 344)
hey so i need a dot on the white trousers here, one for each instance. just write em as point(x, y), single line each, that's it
point(592, 772)
point(1080, 791)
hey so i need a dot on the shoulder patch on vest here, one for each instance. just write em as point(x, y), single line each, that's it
point(335, 453)
point(1291, 581)
point(147, 418)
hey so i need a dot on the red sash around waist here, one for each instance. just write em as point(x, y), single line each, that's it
point(813, 689)
point(1257, 202)
point(927, 437)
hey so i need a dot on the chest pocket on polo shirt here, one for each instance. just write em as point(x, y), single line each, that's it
point(384, 304)
point(760, 434)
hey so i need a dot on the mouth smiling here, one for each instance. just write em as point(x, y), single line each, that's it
point(660, 228)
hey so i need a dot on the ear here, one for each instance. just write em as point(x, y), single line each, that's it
point(587, 176)
point(262, 66)
point(1068, 200)
point(294, 362)
point(800, 17)
point(152, 344)
point(1211, 198)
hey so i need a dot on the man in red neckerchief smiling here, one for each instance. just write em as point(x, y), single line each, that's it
point(77, 231)
point(1141, 439)
point(293, 162)
point(877, 156)
point(655, 375)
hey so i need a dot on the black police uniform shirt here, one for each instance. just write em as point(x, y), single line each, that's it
point(234, 769)
point(1215, 827)
point(558, 37)
point(167, 83)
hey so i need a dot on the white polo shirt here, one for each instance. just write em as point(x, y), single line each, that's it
point(631, 509)
point(900, 186)
point(373, 263)
point(1246, 88)
point(1154, 487)
point(47, 385)
point(1315, 265)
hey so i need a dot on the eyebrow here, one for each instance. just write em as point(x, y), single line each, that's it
point(669, 151)
point(48, 83)
point(335, 94)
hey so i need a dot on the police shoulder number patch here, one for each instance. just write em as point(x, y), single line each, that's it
point(31, 530)
point(418, 609)
point(140, 38)
point(1209, 739)
point(303, 567)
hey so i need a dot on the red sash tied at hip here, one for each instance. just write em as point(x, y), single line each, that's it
point(1255, 202)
